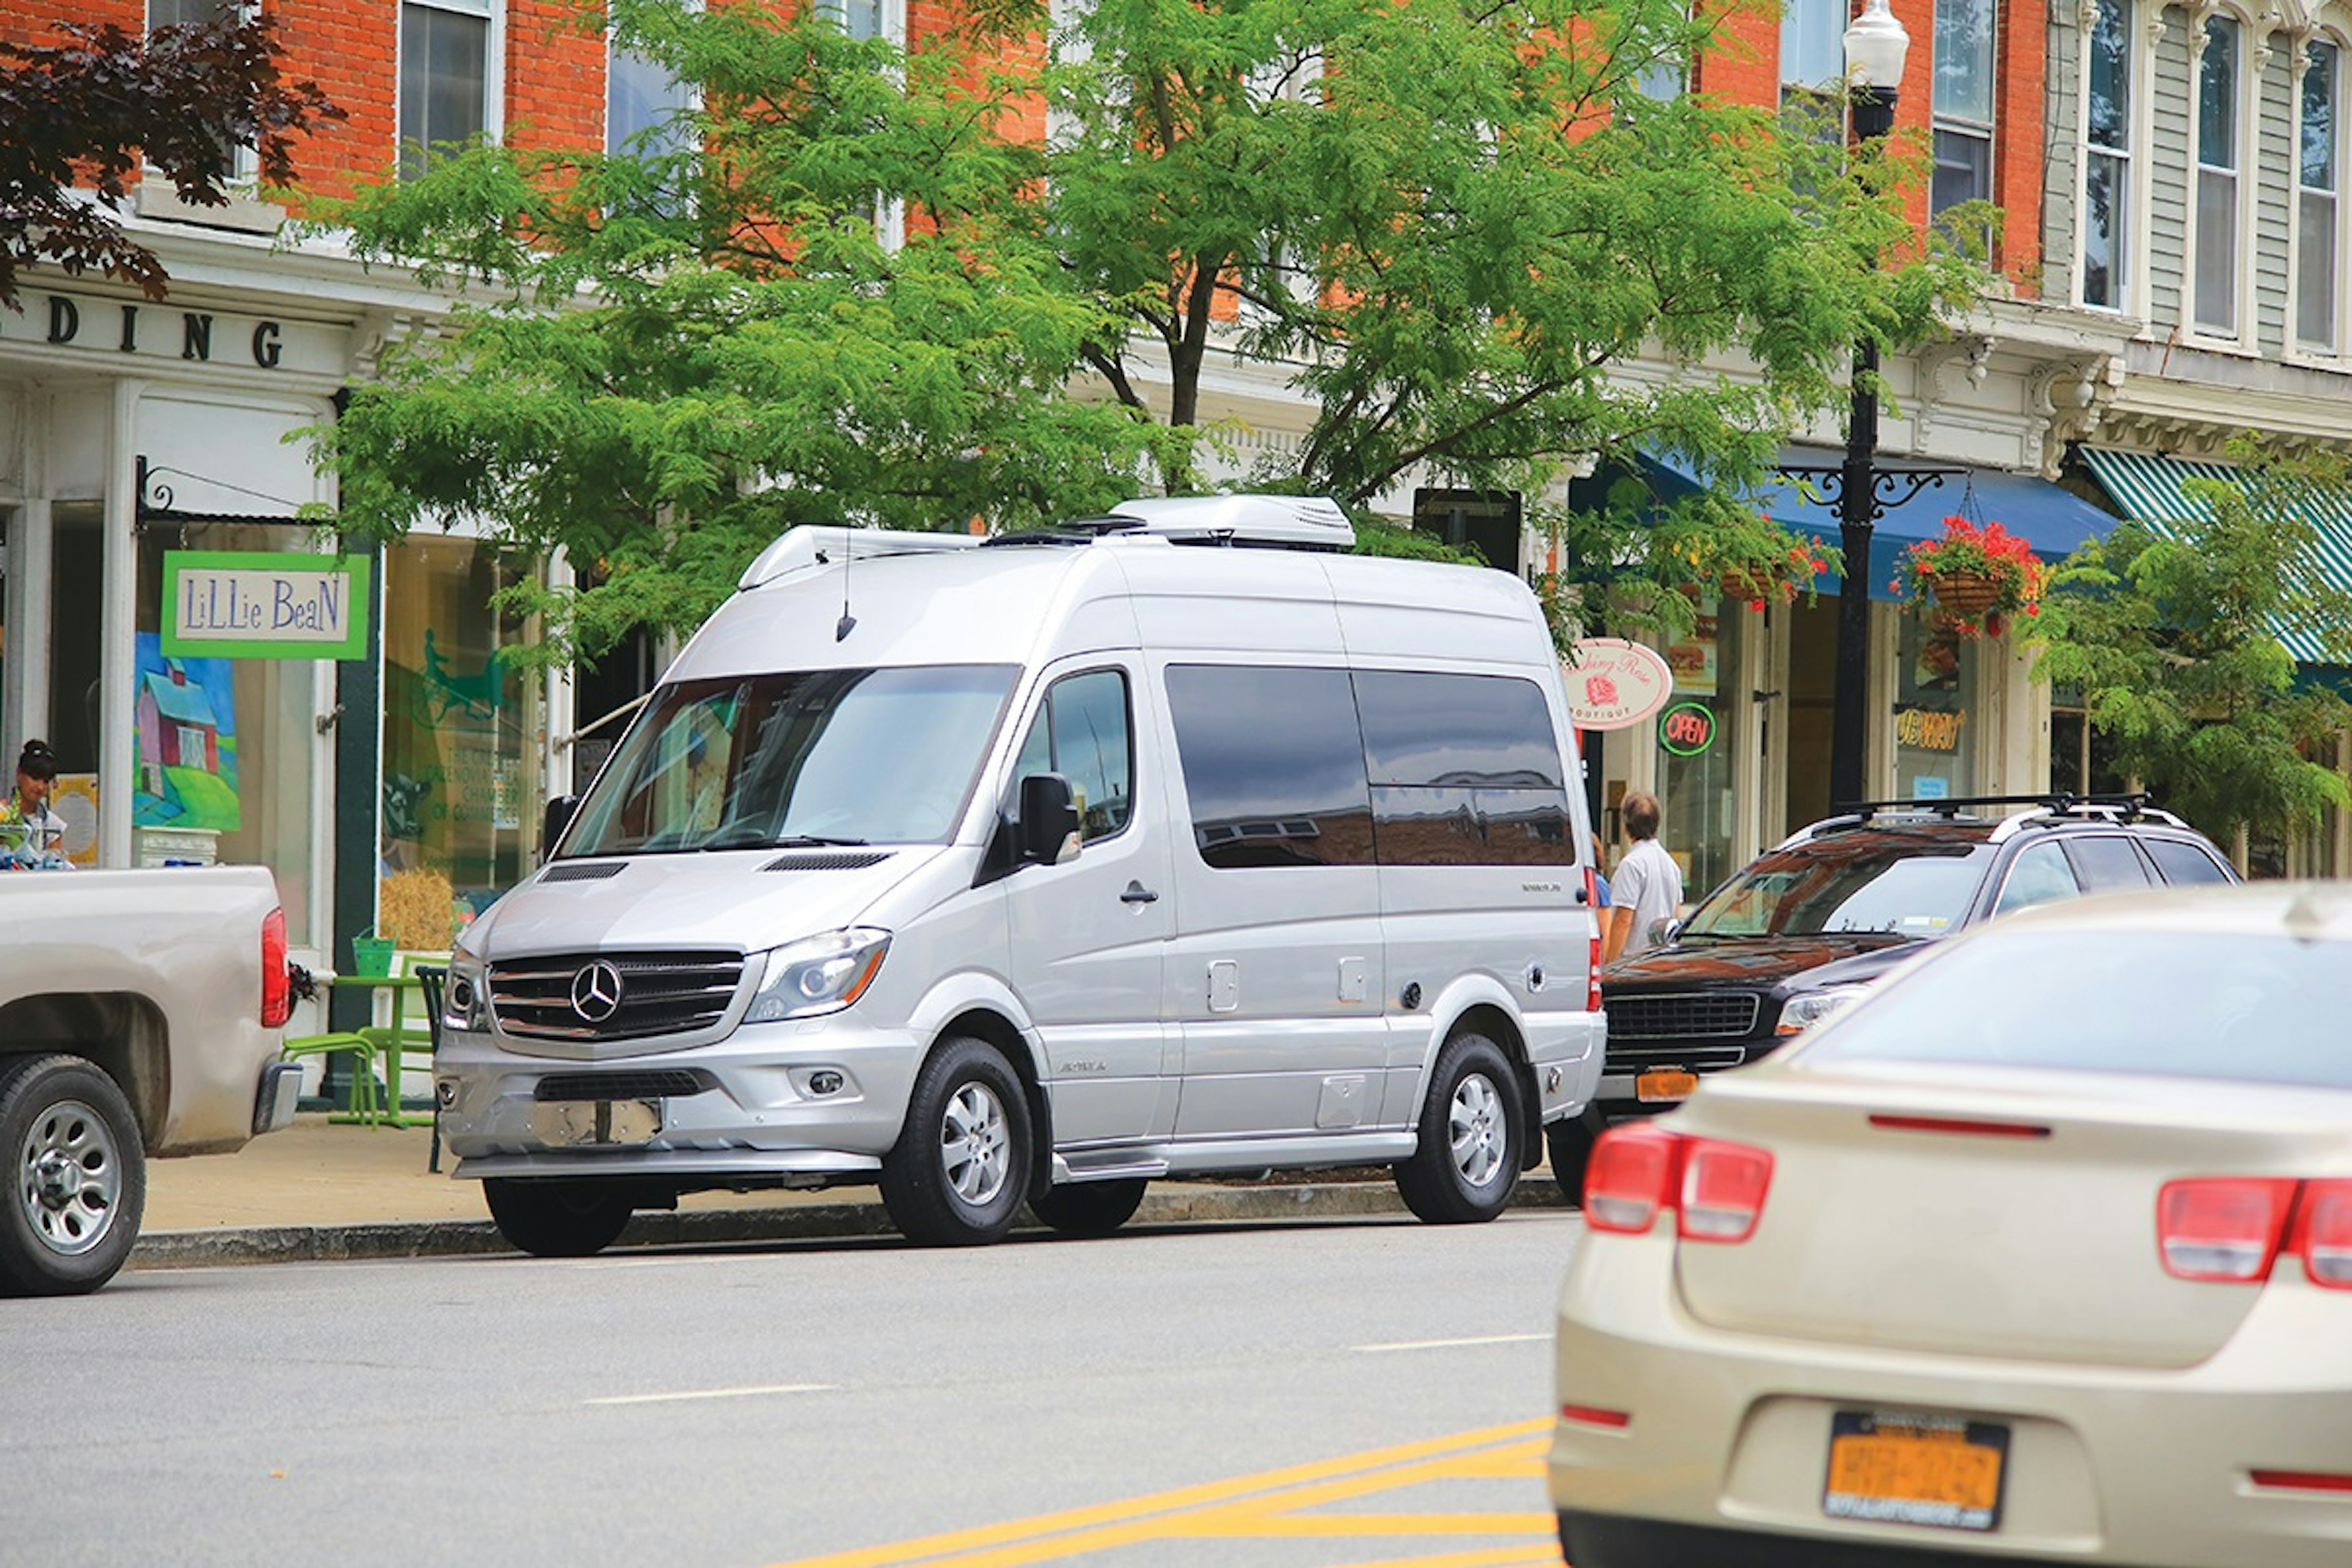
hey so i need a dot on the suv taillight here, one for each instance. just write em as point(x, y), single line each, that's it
point(1715, 1189)
point(1592, 954)
point(277, 985)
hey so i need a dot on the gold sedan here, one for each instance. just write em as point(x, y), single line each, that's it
point(2042, 1253)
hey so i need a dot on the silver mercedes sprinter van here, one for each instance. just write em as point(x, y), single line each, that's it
point(1031, 869)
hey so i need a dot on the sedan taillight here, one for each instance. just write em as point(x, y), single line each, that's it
point(1715, 1189)
point(2232, 1229)
point(2324, 1235)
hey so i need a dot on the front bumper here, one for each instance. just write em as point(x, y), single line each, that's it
point(1729, 1432)
point(763, 1107)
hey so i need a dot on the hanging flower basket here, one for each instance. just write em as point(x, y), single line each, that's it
point(1979, 576)
point(1751, 560)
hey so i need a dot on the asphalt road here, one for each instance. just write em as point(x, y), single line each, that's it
point(1315, 1394)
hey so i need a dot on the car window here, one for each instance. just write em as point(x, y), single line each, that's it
point(2040, 875)
point(1082, 732)
point(1274, 765)
point(2184, 865)
point(2264, 1008)
point(1466, 771)
point(2106, 862)
point(1846, 884)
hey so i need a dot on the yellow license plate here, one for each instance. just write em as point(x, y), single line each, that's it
point(1939, 1471)
point(1664, 1084)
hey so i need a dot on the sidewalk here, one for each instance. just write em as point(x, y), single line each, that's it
point(320, 1190)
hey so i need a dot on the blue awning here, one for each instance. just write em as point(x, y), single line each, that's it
point(2055, 521)
point(2146, 488)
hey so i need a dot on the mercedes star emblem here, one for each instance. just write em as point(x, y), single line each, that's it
point(596, 992)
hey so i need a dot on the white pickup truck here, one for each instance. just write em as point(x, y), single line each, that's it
point(139, 1014)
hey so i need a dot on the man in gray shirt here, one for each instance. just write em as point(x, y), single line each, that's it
point(1648, 885)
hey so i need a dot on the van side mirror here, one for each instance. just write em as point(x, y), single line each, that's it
point(1049, 820)
point(553, 821)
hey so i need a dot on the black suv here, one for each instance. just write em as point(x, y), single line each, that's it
point(1798, 933)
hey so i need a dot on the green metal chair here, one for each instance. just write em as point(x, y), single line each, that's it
point(360, 1102)
point(407, 1032)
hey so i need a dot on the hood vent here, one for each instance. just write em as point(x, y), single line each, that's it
point(827, 860)
point(582, 871)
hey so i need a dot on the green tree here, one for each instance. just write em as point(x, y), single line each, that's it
point(1452, 230)
point(84, 118)
point(2172, 637)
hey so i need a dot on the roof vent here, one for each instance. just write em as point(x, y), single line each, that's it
point(1297, 522)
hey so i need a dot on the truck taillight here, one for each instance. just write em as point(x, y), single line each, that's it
point(1592, 953)
point(277, 985)
point(1715, 1189)
point(2225, 1228)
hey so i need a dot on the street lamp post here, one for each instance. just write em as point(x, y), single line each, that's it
point(1875, 46)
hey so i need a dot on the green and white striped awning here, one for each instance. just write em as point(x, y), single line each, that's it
point(2146, 489)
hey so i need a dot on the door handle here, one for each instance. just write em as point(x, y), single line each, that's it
point(1137, 893)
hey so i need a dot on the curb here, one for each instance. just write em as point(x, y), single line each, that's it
point(794, 1222)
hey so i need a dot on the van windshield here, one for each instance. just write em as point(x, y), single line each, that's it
point(833, 756)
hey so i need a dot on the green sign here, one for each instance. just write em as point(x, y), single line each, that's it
point(1686, 728)
point(235, 605)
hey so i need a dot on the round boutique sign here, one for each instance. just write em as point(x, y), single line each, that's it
point(1613, 684)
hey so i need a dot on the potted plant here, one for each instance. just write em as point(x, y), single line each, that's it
point(1749, 559)
point(1979, 576)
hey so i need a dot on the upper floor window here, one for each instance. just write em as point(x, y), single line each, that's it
point(2316, 274)
point(2107, 158)
point(2215, 286)
point(198, 14)
point(868, 18)
point(1812, 43)
point(1963, 103)
point(642, 95)
point(445, 78)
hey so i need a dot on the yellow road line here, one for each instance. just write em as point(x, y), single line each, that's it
point(1516, 1557)
point(1173, 1513)
point(1300, 1525)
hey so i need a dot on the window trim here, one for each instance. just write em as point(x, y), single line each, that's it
point(494, 65)
point(2297, 347)
point(2130, 238)
point(2243, 175)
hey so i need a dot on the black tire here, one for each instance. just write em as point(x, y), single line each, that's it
point(1570, 1142)
point(1472, 1127)
point(559, 1218)
point(1088, 1208)
point(76, 1177)
point(958, 1173)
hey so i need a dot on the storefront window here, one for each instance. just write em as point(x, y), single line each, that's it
point(225, 747)
point(1935, 717)
point(1698, 814)
point(458, 798)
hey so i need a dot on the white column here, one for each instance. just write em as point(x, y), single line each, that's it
point(117, 761)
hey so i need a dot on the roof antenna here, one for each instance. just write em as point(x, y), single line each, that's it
point(843, 628)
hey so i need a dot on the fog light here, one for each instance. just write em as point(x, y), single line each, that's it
point(825, 1081)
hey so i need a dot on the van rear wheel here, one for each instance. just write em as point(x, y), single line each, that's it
point(1088, 1208)
point(1468, 1162)
point(558, 1218)
point(956, 1176)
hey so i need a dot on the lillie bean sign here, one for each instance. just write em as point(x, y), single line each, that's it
point(223, 604)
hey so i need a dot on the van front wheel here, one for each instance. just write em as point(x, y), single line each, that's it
point(561, 1218)
point(1467, 1161)
point(1088, 1208)
point(956, 1176)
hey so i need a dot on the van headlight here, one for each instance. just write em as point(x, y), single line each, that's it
point(822, 975)
point(1803, 1012)
point(466, 997)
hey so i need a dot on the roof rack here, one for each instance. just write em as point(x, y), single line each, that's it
point(813, 544)
point(2050, 806)
point(1263, 521)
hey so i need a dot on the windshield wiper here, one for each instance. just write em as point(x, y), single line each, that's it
point(811, 841)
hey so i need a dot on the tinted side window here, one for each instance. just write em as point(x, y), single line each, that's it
point(2107, 864)
point(1274, 765)
point(1464, 769)
point(1082, 732)
point(2184, 865)
point(2038, 876)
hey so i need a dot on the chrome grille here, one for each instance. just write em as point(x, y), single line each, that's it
point(1684, 1016)
point(661, 993)
point(644, 1084)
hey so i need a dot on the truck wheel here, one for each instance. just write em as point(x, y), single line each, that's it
point(76, 1177)
point(1468, 1162)
point(1571, 1140)
point(957, 1174)
point(558, 1218)
point(1088, 1208)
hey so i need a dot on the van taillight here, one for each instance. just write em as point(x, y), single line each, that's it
point(1723, 1190)
point(2226, 1228)
point(277, 985)
point(1592, 955)
point(1715, 1189)
point(2326, 1233)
